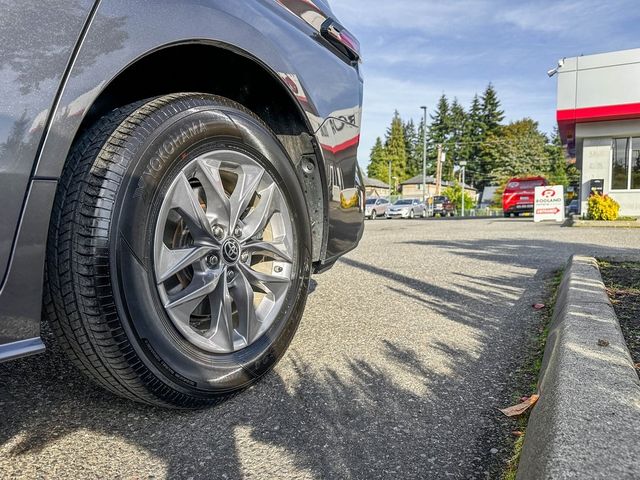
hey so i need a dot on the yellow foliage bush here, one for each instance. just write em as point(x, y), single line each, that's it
point(602, 207)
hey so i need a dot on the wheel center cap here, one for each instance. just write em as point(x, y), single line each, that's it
point(230, 250)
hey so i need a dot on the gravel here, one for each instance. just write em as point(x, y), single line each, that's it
point(407, 348)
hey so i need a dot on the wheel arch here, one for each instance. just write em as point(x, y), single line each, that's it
point(211, 67)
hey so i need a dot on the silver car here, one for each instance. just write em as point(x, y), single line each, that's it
point(375, 207)
point(407, 208)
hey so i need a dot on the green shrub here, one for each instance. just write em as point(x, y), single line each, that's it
point(602, 207)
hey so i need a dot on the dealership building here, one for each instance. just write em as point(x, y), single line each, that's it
point(599, 120)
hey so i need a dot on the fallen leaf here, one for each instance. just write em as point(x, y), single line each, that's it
point(517, 433)
point(538, 306)
point(638, 366)
point(603, 343)
point(519, 409)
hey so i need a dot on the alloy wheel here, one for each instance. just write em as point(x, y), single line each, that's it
point(223, 251)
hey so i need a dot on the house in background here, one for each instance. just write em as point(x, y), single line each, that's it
point(375, 188)
point(599, 120)
point(412, 188)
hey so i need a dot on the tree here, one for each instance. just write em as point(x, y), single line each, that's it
point(414, 155)
point(557, 162)
point(378, 164)
point(456, 139)
point(519, 149)
point(454, 193)
point(395, 148)
point(439, 130)
point(492, 116)
point(474, 135)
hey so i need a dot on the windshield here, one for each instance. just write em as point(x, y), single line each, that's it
point(403, 202)
point(438, 199)
point(371, 201)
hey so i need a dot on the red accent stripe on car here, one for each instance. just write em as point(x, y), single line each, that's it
point(595, 114)
point(342, 146)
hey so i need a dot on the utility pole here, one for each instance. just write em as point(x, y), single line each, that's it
point(389, 180)
point(439, 162)
point(424, 154)
point(463, 165)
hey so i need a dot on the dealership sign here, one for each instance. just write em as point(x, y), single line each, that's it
point(549, 204)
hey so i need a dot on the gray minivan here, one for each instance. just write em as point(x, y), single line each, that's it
point(163, 182)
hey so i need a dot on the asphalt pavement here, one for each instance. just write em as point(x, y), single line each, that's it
point(407, 348)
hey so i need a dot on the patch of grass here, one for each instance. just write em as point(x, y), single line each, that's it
point(530, 373)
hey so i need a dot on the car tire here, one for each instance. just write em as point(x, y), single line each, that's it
point(411, 214)
point(108, 293)
point(424, 214)
point(373, 215)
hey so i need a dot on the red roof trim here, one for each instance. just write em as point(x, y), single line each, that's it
point(596, 114)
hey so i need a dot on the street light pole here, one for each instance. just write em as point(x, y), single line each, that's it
point(389, 180)
point(463, 165)
point(424, 154)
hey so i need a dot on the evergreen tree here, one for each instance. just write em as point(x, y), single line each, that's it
point(395, 148)
point(474, 136)
point(491, 117)
point(439, 130)
point(378, 164)
point(414, 161)
point(456, 140)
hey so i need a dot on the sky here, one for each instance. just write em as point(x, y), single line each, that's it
point(416, 50)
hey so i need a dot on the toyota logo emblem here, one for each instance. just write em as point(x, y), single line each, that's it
point(230, 250)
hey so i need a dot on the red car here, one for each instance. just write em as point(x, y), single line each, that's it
point(518, 195)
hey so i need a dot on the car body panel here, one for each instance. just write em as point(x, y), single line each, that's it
point(32, 63)
point(326, 87)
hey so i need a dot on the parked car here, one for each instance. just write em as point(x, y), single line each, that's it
point(443, 206)
point(179, 216)
point(406, 208)
point(519, 195)
point(573, 208)
point(375, 207)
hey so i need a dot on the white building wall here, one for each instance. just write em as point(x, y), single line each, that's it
point(596, 155)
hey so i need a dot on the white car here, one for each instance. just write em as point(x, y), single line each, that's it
point(407, 208)
point(375, 207)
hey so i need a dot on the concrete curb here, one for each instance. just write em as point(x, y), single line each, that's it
point(577, 222)
point(587, 421)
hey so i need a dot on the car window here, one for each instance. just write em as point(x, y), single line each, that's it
point(403, 202)
point(371, 201)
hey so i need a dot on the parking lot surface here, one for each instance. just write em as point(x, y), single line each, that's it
point(406, 350)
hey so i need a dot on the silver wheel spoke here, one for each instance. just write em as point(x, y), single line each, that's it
point(214, 189)
point(246, 187)
point(184, 199)
point(170, 262)
point(265, 281)
point(183, 303)
point(222, 317)
point(259, 217)
point(242, 294)
point(269, 249)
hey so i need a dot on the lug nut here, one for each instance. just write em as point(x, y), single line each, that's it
point(230, 275)
point(218, 231)
point(244, 256)
point(212, 260)
point(237, 232)
point(278, 269)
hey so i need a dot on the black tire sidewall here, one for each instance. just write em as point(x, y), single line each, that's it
point(157, 342)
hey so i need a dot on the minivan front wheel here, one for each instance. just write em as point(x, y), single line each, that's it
point(178, 258)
